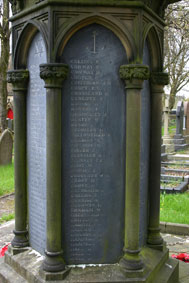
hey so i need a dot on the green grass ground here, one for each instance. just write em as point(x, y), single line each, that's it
point(6, 218)
point(174, 208)
point(6, 179)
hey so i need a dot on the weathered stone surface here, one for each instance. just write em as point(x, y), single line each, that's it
point(6, 146)
point(157, 6)
point(145, 142)
point(36, 145)
point(93, 148)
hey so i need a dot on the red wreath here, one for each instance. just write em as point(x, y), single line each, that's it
point(3, 250)
point(183, 256)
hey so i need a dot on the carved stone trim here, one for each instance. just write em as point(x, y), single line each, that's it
point(134, 75)
point(18, 78)
point(38, 1)
point(159, 78)
point(16, 6)
point(53, 74)
point(130, 72)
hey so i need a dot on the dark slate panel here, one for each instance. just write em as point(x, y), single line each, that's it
point(93, 170)
point(36, 145)
point(145, 148)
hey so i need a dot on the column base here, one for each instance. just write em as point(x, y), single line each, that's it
point(53, 262)
point(15, 251)
point(131, 260)
point(20, 240)
point(154, 240)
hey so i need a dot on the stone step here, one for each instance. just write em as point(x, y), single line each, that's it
point(179, 141)
point(174, 171)
point(176, 157)
point(166, 274)
point(8, 275)
point(171, 178)
point(26, 264)
point(181, 146)
point(169, 148)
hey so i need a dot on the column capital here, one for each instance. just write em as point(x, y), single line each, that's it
point(159, 78)
point(18, 78)
point(158, 81)
point(53, 74)
point(134, 75)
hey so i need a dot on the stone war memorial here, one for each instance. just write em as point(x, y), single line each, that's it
point(88, 82)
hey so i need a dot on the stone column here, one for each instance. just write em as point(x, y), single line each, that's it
point(54, 75)
point(166, 119)
point(158, 80)
point(133, 75)
point(19, 80)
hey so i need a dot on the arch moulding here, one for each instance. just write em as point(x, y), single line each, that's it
point(24, 42)
point(119, 30)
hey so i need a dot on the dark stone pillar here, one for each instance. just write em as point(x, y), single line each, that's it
point(133, 75)
point(54, 75)
point(158, 80)
point(19, 80)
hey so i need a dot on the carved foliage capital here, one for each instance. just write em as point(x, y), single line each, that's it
point(159, 78)
point(18, 77)
point(53, 74)
point(134, 72)
point(129, 72)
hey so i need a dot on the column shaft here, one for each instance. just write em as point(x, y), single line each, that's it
point(19, 80)
point(53, 100)
point(134, 76)
point(158, 80)
point(54, 75)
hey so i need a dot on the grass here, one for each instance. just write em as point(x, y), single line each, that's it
point(6, 179)
point(174, 208)
point(6, 218)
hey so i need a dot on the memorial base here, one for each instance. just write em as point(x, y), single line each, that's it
point(26, 267)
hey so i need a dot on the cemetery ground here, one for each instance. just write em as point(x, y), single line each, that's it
point(6, 193)
point(173, 208)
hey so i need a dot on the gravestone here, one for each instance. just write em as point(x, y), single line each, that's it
point(179, 120)
point(186, 118)
point(6, 147)
point(10, 124)
point(178, 140)
point(166, 119)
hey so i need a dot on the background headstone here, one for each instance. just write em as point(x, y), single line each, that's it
point(186, 118)
point(6, 147)
point(166, 119)
point(179, 119)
